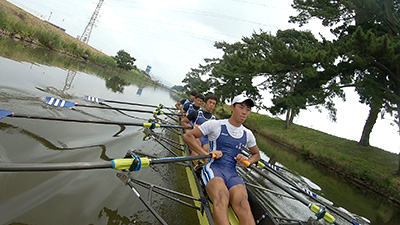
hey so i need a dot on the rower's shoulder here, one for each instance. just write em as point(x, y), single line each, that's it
point(214, 123)
point(247, 130)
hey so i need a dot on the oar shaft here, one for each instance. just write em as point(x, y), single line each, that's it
point(77, 121)
point(138, 104)
point(31, 167)
point(289, 191)
point(62, 103)
point(178, 159)
point(146, 125)
point(135, 162)
point(306, 191)
point(99, 100)
point(125, 109)
point(329, 218)
point(273, 169)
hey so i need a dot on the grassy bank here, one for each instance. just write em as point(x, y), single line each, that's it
point(369, 167)
point(19, 25)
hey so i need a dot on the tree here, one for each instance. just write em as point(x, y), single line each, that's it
point(178, 88)
point(297, 68)
point(368, 43)
point(124, 60)
point(193, 81)
point(233, 74)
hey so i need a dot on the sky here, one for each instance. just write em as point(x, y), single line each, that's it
point(173, 36)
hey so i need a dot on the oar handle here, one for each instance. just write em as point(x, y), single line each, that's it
point(246, 162)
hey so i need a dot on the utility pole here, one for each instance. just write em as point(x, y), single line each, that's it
point(88, 30)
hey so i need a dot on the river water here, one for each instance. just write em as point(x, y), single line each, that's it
point(98, 196)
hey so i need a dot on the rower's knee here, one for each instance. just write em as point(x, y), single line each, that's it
point(242, 205)
point(221, 199)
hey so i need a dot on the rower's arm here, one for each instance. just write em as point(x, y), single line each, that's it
point(190, 139)
point(178, 105)
point(255, 154)
point(185, 122)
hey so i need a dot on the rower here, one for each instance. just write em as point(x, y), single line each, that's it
point(227, 138)
point(179, 105)
point(188, 108)
point(196, 118)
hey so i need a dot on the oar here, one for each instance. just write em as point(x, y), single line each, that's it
point(151, 125)
point(62, 103)
point(318, 210)
point(133, 164)
point(266, 165)
point(100, 100)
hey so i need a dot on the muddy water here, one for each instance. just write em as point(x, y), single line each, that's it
point(27, 76)
point(76, 197)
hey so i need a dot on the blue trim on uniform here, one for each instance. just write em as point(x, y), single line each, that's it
point(200, 119)
point(225, 167)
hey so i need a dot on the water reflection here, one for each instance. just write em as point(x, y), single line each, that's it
point(113, 218)
point(139, 91)
point(68, 80)
point(116, 84)
point(40, 56)
point(8, 128)
point(81, 197)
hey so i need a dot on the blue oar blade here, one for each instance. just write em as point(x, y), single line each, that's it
point(305, 190)
point(60, 103)
point(94, 99)
point(5, 113)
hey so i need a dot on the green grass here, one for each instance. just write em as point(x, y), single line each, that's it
point(369, 167)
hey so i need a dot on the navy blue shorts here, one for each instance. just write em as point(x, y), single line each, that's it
point(204, 140)
point(231, 177)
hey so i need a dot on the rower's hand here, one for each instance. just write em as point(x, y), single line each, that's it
point(239, 158)
point(217, 153)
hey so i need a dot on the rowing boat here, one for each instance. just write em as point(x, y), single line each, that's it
point(261, 215)
point(202, 203)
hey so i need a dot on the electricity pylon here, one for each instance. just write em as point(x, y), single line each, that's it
point(88, 30)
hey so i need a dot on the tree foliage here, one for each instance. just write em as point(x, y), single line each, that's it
point(234, 73)
point(297, 68)
point(301, 71)
point(116, 84)
point(368, 43)
point(124, 60)
point(178, 88)
point(193, 81)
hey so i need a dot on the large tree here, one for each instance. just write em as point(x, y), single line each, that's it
point(226, 77)
point(194, 82)
point(297, 68)
point(368, 42)
point(233, 74)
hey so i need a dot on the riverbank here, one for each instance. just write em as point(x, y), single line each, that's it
point(370, 168)
point(19, 25)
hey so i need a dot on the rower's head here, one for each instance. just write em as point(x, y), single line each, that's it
point(211, 102)
point(199, 99)
point(241, 107)
point(192, 96)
